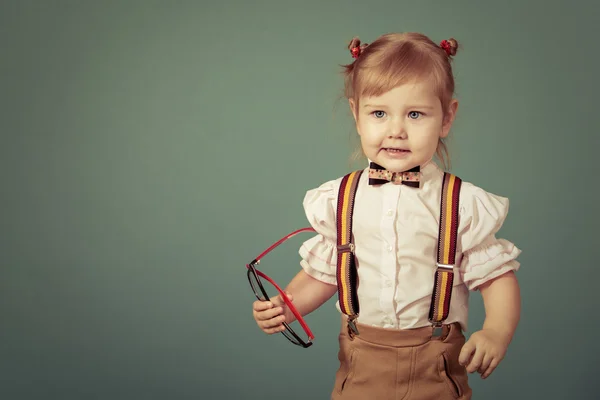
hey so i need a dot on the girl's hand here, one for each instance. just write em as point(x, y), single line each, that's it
point(484, 349)
point(270, 315)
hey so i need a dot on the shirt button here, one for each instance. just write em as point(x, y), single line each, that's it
point(390, 248)
point(388, 283)
point(389, 212)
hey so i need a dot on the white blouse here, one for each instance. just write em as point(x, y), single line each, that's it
point(395, 230)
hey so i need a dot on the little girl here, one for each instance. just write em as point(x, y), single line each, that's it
point(402, 242)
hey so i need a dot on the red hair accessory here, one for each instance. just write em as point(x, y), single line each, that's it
point(446, 46)
point(356, 48)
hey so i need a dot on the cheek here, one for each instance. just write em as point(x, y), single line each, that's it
point(426, 140)
point(370, 133)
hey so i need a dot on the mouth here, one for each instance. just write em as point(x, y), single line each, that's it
point(394, 150)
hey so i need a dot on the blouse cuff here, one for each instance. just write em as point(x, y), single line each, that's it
point(318, 275)
point(319, 259)
point(488, 261)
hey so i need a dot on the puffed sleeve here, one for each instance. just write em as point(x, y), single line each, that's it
point(319, 254)
point(484, 257)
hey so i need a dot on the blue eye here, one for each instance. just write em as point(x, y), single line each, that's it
point(414, 114)
point(379, 114)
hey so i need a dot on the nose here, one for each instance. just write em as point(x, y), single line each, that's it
point(397, 129)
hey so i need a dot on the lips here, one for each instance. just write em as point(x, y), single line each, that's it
point(396, 150)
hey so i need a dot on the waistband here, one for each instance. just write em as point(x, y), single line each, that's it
point(402, 337)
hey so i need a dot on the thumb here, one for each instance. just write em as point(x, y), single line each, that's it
point(280, 301)
point(466, 352)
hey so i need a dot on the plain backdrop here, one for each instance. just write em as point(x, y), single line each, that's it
point(149, 149)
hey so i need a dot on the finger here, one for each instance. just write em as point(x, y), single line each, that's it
point(476, 360)
point(261, 305)
point(491, 368)
point(268, 314)
point(272, 323)
point(485, 363)
point(466, 352)
point(277, 329)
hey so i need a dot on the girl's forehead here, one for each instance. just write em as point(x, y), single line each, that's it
point(410, 91)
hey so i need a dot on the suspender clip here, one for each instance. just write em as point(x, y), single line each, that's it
point(346, 248)
point(352, 328)
point(437, 329)
point(445, 266)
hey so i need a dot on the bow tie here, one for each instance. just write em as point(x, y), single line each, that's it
point(379, 176)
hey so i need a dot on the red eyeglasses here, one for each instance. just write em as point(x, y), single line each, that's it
point(254, 277)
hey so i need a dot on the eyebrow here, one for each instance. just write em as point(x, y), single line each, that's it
point(410, 107)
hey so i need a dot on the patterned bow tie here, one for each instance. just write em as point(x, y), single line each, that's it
point(379, 175)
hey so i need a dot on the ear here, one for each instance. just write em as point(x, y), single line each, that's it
point(449, 118)
point(353, 108)
point(354, 114)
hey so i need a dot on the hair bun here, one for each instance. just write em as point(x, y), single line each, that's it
point(355, 47)
point(450, 46)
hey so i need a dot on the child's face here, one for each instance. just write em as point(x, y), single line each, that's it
point(401, 128)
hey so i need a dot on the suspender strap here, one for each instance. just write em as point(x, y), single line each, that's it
point(444, 275)
point(347, 276)
point(346, 266)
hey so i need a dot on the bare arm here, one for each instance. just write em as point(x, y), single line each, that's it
point(502, 301)
point(308, 294)
point(486, 348)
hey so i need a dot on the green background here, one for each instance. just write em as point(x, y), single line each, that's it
point(149, 149)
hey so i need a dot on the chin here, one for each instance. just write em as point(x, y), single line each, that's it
point(396, 165)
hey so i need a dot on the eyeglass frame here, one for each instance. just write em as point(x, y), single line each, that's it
point(251, 270)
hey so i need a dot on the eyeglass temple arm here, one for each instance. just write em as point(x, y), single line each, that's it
point(283, 239)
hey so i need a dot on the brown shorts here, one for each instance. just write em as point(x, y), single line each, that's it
point(401, 365)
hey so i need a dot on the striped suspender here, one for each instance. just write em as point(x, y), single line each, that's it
point(446, 253)
point(346, 266)
point(347, 277)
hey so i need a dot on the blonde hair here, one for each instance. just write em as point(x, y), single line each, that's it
point(396, 58)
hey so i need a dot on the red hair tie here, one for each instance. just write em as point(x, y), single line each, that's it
point(355, 51)
point(446, 46)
